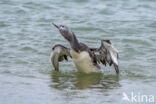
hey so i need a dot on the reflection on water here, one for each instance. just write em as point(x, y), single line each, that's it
point(76, 80)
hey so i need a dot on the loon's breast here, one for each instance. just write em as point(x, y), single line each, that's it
point(83, 62)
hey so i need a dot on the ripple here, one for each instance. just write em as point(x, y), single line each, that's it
point(26, 48)
point(2, 25)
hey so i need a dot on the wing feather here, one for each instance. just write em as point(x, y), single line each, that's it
point(59, 53)
point(112, 52)
point(107, 54)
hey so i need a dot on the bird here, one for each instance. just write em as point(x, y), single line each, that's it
point(86, 59)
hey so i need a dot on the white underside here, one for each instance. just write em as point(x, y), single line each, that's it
point(83, 62)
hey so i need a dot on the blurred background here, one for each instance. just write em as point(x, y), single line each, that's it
point(27, 36)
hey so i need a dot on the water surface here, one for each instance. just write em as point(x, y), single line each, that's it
point(27, 36)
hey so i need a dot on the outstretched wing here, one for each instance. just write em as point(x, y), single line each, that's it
point(59, 53)
point(107, 54)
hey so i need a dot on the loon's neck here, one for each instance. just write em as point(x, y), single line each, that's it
point(75, 45)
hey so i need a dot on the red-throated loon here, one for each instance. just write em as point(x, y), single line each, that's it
point(85, 59)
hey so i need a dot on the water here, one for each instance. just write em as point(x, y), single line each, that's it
point(27, 36)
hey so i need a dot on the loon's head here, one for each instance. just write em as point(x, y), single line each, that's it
point(65, 32)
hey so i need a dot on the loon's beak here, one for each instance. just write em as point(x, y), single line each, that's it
point(55, 25)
